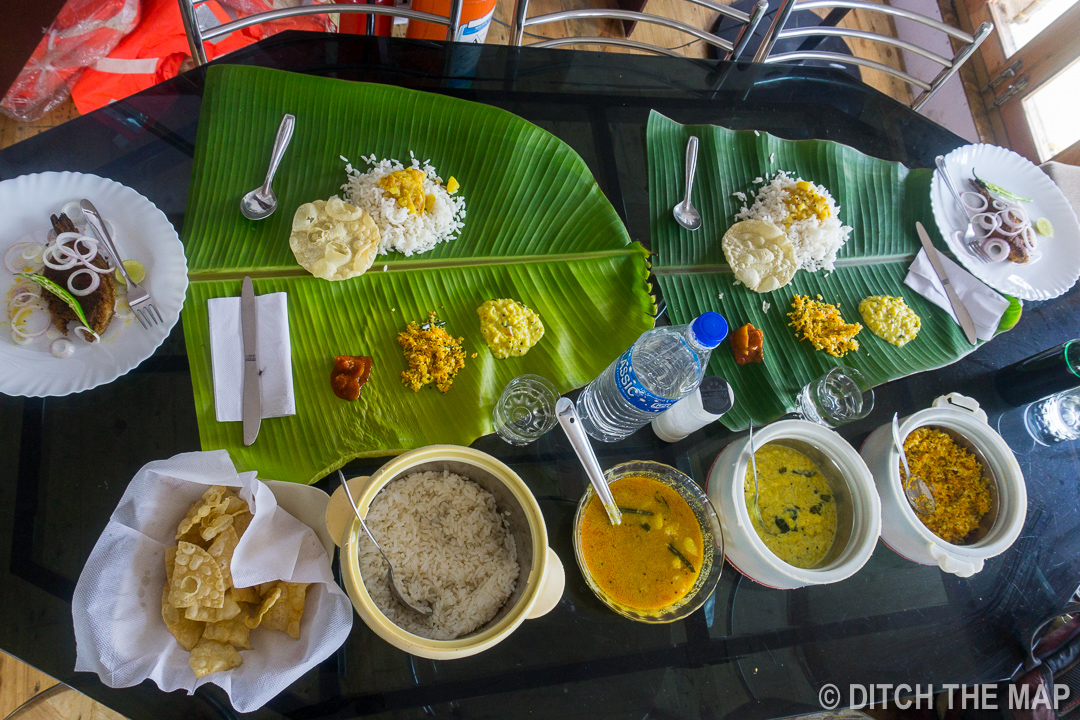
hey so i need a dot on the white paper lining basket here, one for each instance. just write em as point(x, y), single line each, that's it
point(116, 608)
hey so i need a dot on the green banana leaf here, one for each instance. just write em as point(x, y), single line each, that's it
point(537, 229)
point(880, 200)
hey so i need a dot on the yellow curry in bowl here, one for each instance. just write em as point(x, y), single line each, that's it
point(650, 561)
point(797, 505)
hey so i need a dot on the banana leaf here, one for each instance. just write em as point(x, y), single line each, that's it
point(537, 229)
point(880, 200)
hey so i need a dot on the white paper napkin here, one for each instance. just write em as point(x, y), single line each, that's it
point(119, 633)
point(983, 304)
point(275, 356)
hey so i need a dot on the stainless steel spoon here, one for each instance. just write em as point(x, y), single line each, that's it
point(571, 425)
point(394, 588)
point(685, 213)
point(917, 491)
point(753, 466)
point(969, 240)
point(261, 202)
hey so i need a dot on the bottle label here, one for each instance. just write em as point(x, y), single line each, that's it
point(632, 390)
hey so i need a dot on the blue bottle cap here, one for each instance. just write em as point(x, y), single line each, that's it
point(709, 329)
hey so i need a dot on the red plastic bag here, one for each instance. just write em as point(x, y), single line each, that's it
point(84, 32)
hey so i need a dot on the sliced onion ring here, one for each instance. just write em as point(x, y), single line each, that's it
point(14, 259)
point(29, 334)
point(979, 205)
point(95, 281)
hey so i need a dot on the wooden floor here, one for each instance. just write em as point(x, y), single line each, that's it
point(19, 682)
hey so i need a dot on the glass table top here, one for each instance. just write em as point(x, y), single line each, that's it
point(750, 652)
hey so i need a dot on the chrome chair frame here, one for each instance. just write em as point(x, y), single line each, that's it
point(950, 66)
point(197, 36)
point(733, 48)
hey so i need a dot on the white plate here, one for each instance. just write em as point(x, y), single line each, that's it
point(1058, 268)
point(143, 234)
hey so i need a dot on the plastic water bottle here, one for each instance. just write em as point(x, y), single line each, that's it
point(663, 366)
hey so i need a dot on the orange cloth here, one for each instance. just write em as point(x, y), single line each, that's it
point(151, 53)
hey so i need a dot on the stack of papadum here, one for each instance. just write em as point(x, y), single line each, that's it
point(206, 614)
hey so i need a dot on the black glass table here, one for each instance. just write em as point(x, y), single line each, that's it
point(751, 652)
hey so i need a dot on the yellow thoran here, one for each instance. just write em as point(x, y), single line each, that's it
point(821, 324)
point(433, 355)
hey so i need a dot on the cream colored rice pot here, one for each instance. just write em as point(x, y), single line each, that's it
point(539, 585)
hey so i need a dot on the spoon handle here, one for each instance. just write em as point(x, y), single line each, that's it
point(571, 425)
point(691, 166)
point(356, 511)
point(281, 144)
point(940, 161)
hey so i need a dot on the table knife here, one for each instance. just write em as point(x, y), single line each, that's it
point(958, 307)
point(252, 412)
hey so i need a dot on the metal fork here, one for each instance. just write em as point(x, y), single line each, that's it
point(972, 245)
point(138, 298)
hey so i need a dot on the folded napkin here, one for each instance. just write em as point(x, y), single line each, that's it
point(116, 608)
point(275, 359)
point(983, 304)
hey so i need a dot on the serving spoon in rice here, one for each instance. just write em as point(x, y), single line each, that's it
point(424, 609)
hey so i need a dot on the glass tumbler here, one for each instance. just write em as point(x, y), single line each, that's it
point(837, 397)
point(1054, 419)
point(526, 409)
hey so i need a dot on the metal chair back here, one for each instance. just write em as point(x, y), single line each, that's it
point(777, 31)
point(198, 35)
point(731, 48)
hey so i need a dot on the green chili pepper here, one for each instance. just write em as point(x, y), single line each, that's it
point(60, 293)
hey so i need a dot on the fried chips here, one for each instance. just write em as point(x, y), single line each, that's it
point(199, 605)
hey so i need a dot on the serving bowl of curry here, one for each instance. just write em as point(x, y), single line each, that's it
point(664, 559)
point(820, 512)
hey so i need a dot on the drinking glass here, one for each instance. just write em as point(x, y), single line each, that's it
point(837, 397)
point(526, 409)
point(1054, 419)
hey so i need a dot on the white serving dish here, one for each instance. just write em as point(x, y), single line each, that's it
point(858, 506)
point(901, 528)
point(1058, 268)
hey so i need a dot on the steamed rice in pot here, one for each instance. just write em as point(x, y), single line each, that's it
point(450, 547)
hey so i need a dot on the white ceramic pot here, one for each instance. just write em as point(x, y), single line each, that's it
point(539, 586)
point(901, 528)
point(858, 507)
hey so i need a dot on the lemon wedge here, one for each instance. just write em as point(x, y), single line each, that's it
point(134, 268)
point(1043, 227)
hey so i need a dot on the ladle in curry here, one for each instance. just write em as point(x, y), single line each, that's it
point(915, 488)
point(571, 425)
point(753, 466)
point(421, 609)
